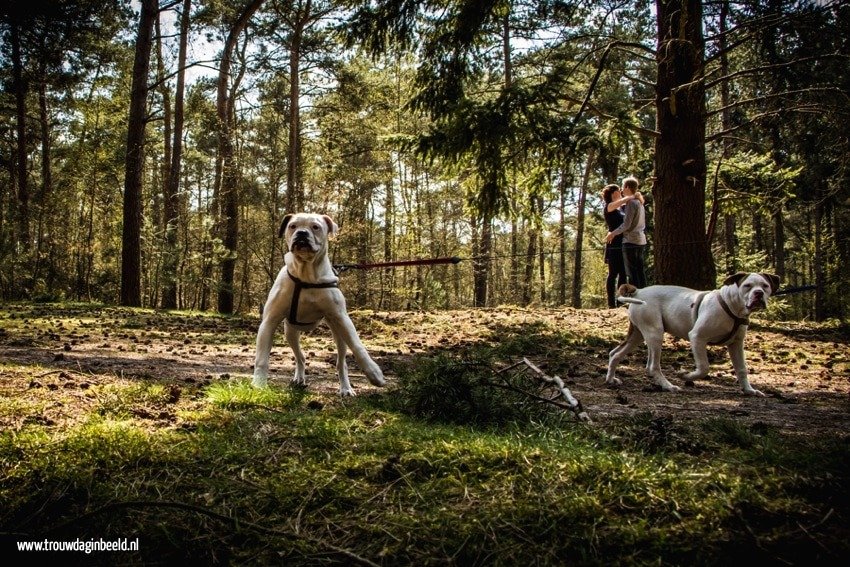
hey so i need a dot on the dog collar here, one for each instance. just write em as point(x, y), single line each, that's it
point(737, 321)
point(296, 293)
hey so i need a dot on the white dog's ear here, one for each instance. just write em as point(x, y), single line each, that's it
point(333, 229)
point(773, 280)
point(283, 224)
point(735, 278)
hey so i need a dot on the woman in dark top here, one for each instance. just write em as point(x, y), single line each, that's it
point(614, 216)
point(632, 231)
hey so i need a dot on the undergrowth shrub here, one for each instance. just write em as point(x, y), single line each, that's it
point(446, 389)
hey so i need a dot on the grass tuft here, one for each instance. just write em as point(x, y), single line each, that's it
point(239, 394)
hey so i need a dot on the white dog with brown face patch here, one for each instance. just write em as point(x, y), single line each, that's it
point(716, 317)
point(304, 293)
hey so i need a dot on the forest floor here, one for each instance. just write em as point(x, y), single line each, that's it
point(803, 368)
point(132, 423)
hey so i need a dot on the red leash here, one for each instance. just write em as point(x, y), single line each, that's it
point(425, 262)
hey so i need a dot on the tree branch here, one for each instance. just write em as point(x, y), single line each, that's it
point(600, 114)
point(758, 117)
point(776, 95)
point(775, 66)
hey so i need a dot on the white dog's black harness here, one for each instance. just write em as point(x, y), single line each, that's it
point(296, 293)
point(738, 321)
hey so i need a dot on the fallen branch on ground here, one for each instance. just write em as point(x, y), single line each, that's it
point(555, 382)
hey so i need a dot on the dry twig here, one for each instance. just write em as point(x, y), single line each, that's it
point(571, 404)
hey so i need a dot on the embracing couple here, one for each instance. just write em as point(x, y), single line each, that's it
point(624, 252)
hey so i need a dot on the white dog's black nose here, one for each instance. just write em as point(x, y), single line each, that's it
point(301, 240)
point(757, 300)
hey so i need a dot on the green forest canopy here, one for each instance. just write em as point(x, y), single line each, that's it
point(133, 171)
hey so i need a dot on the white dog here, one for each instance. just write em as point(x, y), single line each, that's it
point(304, 293)
point(717, 317)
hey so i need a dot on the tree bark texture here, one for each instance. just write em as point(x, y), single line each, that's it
point(171, 201)
point(20, 87)
point(44, 237)
point(481, 261)
point(582, 199)
point(682, 255)
point(229, 198)
point(562, 237)
point(820, 262)
point(160, 220)
point(131, 260)
point(530, 252)
point(294, 186)
point(729, 231)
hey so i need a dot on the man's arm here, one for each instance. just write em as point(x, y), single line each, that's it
point(629, 222)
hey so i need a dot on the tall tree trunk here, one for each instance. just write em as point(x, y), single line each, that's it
point(731, 243)
point(228, 197)
point(758, 243)
point(777, 83)
point(820, 263)
point(779, 243)
point(171, 198)
point(165, 93)
point(86, 263)
point(514, 260)
point(389, 229)
point(682, 254)
point(541, 257)
point(294, 183)
point(206, 243)
point(20, 88)
point(531, 251)
point(482, 244)
point(582, 199)
point(159, 218)
point(729, 231)
point(508, 83)
point(842, 258)
point(131, 251)
point(562, 238)
point(10, 171)
point(44, 240)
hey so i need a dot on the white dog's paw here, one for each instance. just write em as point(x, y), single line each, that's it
point(754, 392)
point(695, 375)
point(666, 386)
point(260, 381)
point(375, 376)
point(346, 392)
point(298, 381)
point(613, 382)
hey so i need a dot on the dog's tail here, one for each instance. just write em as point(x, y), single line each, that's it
point(626, 294)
